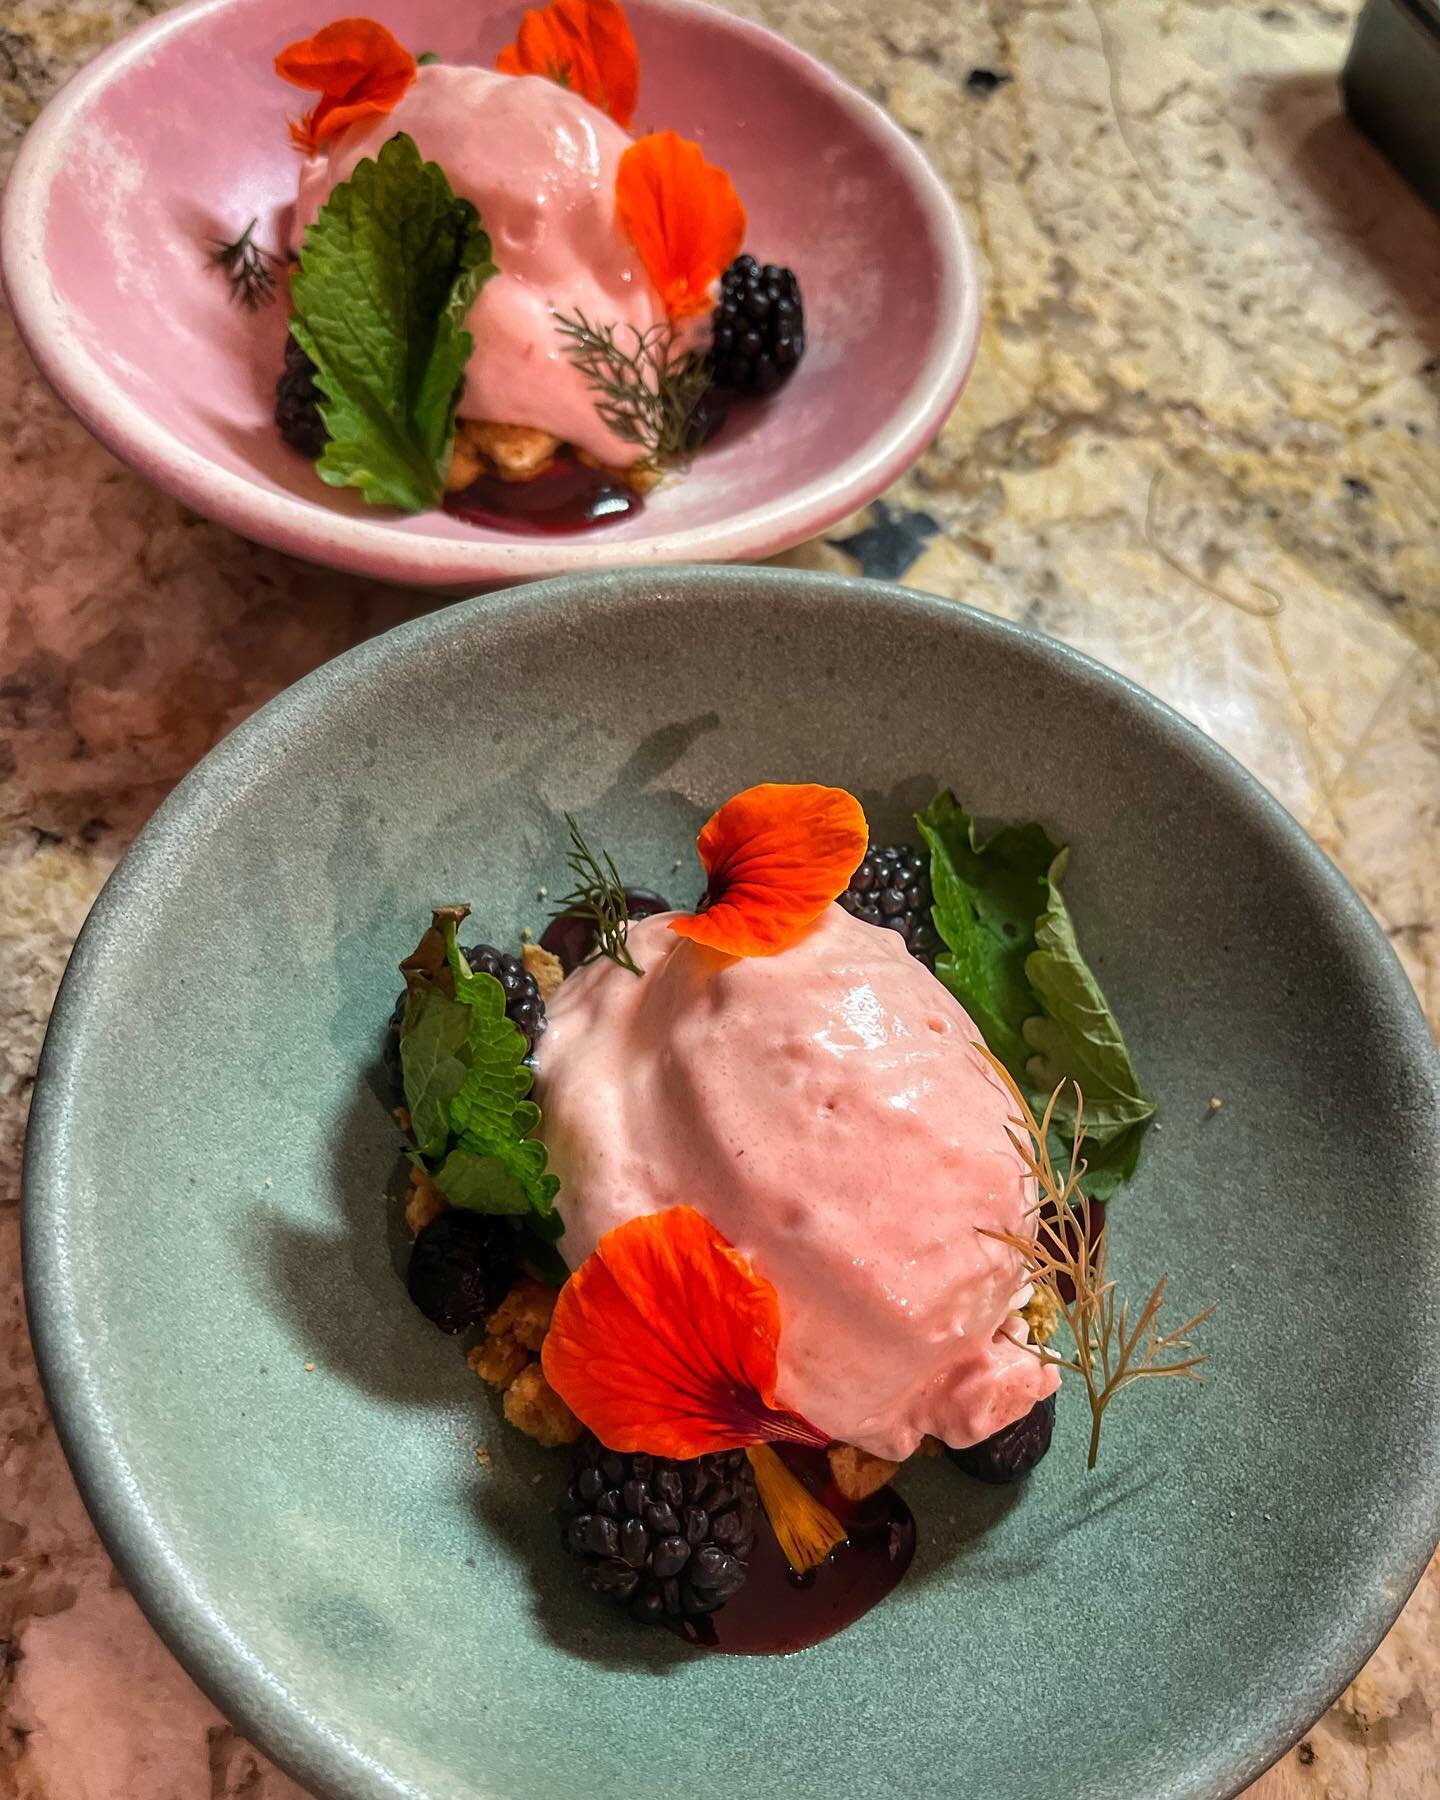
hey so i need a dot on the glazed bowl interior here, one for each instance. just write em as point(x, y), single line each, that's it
point(178, 136)
point(281, 1452)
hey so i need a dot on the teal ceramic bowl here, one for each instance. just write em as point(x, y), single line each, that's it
point(206, 1219)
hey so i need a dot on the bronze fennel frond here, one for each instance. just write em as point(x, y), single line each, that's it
point(646, 395)
point(247, 267)
point(1068, 1258)
point(598, 895)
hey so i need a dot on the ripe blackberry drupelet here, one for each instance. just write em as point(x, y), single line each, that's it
point(1013, 1451)
point(462, 1265)
point(297, 404)
point(523, 1005)
point(668, 1540)
point(892, 887)
point(759, 327)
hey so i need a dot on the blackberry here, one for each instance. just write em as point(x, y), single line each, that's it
point(667, 1540)
point(462, 1265)
point(758, 326)
point(1012, 1452)
point(892, 887)
point(297, 404)
point(523, 1005)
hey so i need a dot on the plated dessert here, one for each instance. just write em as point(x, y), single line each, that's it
point(503, 299)
point(751, 1204)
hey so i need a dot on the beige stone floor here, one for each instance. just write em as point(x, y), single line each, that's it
point(1202, 442)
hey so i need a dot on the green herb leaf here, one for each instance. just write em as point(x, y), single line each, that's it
point(987, 899)
point(482, 1183)
point(432, 1060)
point(1012, 960)
point(387, 274)
point(1077, 1039)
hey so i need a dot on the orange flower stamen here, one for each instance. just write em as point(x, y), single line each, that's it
point(360, 71)
point(666, 1340)
point(684, 217)
point(584, 45)
point(776, 856)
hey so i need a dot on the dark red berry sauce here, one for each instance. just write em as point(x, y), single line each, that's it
point(569, 496)
point(571, 937)
point(777, 1612)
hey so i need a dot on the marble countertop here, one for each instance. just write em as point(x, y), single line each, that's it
point(1202, 442)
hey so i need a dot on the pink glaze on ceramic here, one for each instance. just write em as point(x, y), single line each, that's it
point(178, 132)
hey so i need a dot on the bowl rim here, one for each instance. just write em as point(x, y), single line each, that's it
point(364, 545)
point(277, 1718)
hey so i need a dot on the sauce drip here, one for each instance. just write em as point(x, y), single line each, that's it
point(572, 935)
point(569, 496)
point(777, 1612)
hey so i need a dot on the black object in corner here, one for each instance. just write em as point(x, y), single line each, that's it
point(1391, 84)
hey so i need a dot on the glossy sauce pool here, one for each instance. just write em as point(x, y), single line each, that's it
point(569, 496)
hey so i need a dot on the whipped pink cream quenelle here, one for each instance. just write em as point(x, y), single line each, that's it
point(825, 1109)
point(539, 163)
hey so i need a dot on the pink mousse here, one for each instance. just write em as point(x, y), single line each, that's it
point(539, 163)
point(826, 1110)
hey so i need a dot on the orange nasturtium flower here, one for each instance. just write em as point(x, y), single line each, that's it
point(359, 70)
point(666, 1340)
point(586, 46)
point(684, 217)
point(776, 856)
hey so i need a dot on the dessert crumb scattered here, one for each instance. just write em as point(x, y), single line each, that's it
point(269, 1181)
point(423, 1203)
point(545, 969)
point(533, 1406)
point(402, 1117)
point(309, 1368)
point(526, 934)
point(483, 1457)
point(1215, 1104)
point(857, 1473)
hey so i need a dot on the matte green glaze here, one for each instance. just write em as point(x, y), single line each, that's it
point(206, 1215)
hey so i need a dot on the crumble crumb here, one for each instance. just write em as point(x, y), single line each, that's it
point(466, 463)
point(516, 452)
point(533, 1406)
point(401, 1116)
point(857, 1473)
point(548, 970)
point(1041, 1312)
point(498, 1360)
point(640, 477)
point(309, 1368)
point(424, 1202)
point(483, 1457)
point(523, 1316)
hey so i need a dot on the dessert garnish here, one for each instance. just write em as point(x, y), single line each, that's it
point(583, 45)
point(1012, 960)
point(503, 303)
point(599, 897)
point(247, 267)
point(780, 1219)
point(359, 69)
point(775, 856)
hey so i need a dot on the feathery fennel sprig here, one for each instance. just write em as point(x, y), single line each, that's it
point(247, 267)
point(598, 895)
point(1067, 1258)
point(647, 396)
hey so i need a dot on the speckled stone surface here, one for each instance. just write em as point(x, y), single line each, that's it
point(1201, 442)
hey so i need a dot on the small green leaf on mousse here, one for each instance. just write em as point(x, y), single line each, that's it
point(387, 274)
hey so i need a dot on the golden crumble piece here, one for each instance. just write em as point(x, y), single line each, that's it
point(524, 1314)
point(402, 1117)
point(1041, 1312)
point(424, 1202)
point(546, 969)
point(533, 1406)
point(857, 1473)
point(466, 462)
point(515, 452)
point(640, 477)
point(498, 1360)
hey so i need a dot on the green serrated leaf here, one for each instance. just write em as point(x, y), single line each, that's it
point(388, 272)
point(1077, 1038)
point(987, 897)
point(481, 1182)
point(432, 1061)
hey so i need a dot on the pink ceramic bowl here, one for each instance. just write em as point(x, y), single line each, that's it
point(178, 133)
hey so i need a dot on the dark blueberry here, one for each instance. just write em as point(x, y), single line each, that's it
point(297, 404)
point(758, 327)
point(639, 1554)
point(461, 1268)
point(1013, 1451)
